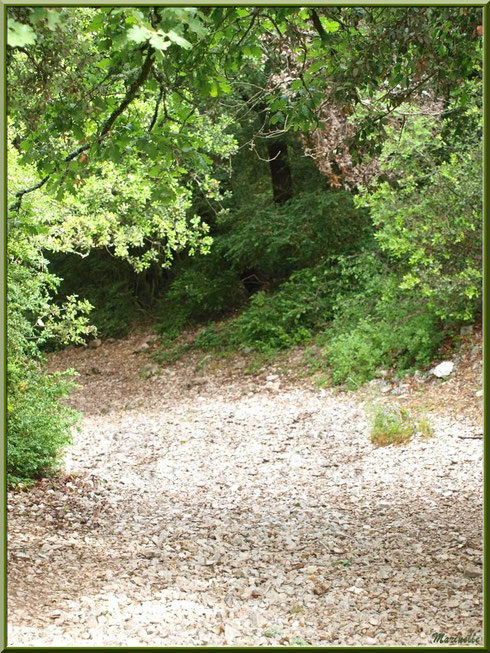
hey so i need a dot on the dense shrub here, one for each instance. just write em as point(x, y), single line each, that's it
point(426, 278)
point(364, 320)
point(277, 239)
point(377, 324)
point(430, 221)
point(298, 239)
point(270, 322)
point(389, 338)
point(203, 288)
point(39, 424)
point(300, 307)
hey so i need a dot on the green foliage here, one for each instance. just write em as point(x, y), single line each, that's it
point(362, 320)
point(38, 423)
point(32, 317)
point(20, 34)
point(389, 338)
point(299, 641)
point(386, 308)
point(300, 307)
point(276, 239)
point(123, 208)
point(395, 307)
point(132, 83)
point(396, 425)
point(271, 322)
point(391, 425)
point(424, 427)
point(353, 306)
point(116, 307)
point(202, 289)
point(377, 325)
point(109, 285)
point(117, 209)
point(431, 221)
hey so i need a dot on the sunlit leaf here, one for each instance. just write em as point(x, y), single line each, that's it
point(19, 34)
point(178, 40)
point(138, 34)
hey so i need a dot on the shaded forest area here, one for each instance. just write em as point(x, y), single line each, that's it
point(255, 178)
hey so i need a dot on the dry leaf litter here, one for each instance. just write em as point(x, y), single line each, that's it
point(219, 508)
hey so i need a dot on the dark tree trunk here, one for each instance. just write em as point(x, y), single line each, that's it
point(282, 183)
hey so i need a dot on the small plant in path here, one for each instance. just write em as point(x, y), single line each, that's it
point(391, 425)
point(299, 641)
point(424, 427)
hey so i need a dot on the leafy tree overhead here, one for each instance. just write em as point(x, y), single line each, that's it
point(132, 81)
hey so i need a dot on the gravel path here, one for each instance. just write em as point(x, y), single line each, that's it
point(239, 512)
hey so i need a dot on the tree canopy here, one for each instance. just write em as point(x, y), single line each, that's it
point(144, 85)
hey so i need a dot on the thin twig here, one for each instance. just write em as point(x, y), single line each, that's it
point(157, 107)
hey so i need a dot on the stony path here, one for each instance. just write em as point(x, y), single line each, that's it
point(228, 514)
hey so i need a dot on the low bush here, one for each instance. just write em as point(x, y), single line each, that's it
point(396, 425)
point(430, 221)
point(38, 423)
point(286, 318)
point(383, 339)
point(352, 306)
point(391, 425)
point(281, 319)
point(201, 290)
point(376, 324)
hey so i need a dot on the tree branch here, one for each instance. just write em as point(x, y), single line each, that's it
point(106, 127)
point(130, 95)
point(244, 36)
point(318, 25)
point(315, 19)
point(20, 194)
point(155, 112)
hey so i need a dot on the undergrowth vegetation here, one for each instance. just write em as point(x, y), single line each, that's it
point(391, 426)
point(396, 425)
point(39, 424)
point(382, 288)
point(110, 285)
